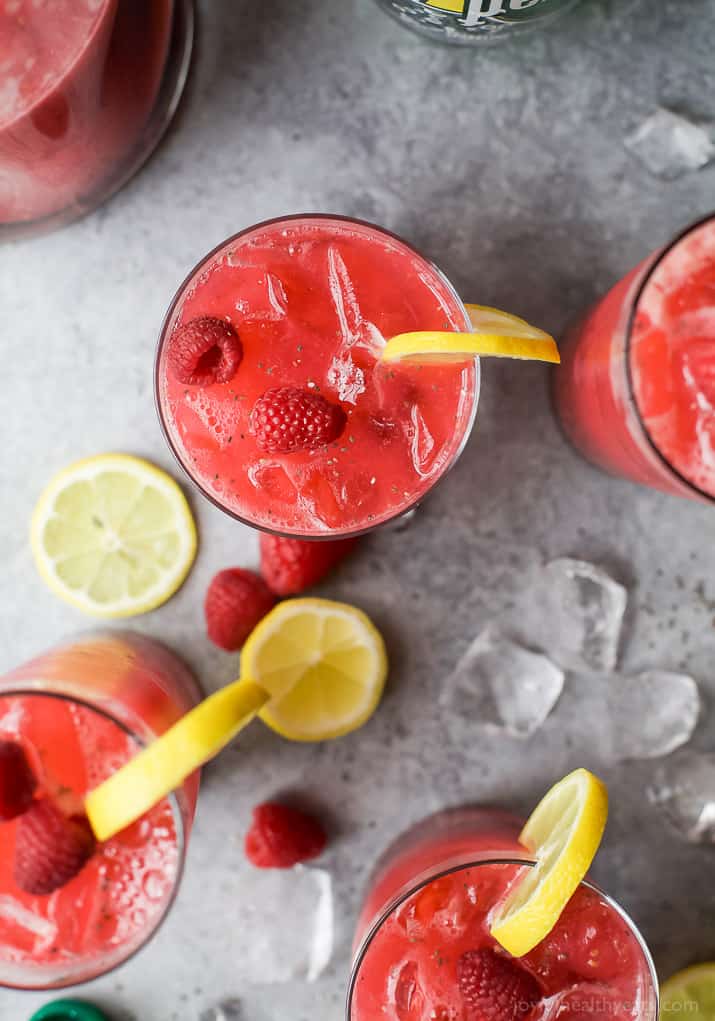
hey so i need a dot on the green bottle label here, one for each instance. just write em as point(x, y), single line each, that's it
point(473, 12)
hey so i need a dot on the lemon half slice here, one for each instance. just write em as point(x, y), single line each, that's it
point(163, 766)
point(563, 833)
point(113, 535)
point(690, 993)
point(496, 333)
point(324, 664)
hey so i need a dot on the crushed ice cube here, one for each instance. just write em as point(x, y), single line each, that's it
point(346, 378)
point(344, 297)
point(421, 442)
point(502, 686)
point(34, 925)
point(573, 610)
point(683, 790)
point(670, 145)
point(227, 1010)
point(652, 713)
point(287, 926)
point(277, 296)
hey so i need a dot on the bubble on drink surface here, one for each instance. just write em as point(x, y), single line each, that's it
point(287, 925)
point(651, 713)
point(502, 686)
point(670, 145)
point(573, 611)
point(226, 1010)
point(683, 791)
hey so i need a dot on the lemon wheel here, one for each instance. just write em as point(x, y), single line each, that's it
point(113, 536)
point(324, 665)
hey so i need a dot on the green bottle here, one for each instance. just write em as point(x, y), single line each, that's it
point(474, 21)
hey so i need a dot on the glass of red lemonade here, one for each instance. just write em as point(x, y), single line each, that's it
point(427, 911)
point(312, 299)
point(635, 392)
point(89, 87)
point(79, 712)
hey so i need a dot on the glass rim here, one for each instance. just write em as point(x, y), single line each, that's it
point(468, 863)
point(331, 534)
point(181, 846)
point(656, 260)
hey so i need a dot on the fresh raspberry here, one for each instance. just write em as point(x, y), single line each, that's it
point(17, 781)
point(50, 849)
point(281, 837)
point(235, 601)
point(286, 419)
point(494, 987)
point(292, 565)
point(205, 350)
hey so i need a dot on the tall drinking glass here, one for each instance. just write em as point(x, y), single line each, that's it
point(429, 903)
point(81, 711)
point(88, 88)
point(312, 299)
point(635, 391)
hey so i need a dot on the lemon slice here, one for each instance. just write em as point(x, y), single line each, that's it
point(563, 833)
point(324, 664)
point(163, 766)
point(113, 536)
point(690, 993)
point(496, 333)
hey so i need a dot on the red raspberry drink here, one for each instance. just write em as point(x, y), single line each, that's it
point(302, 430)
point(86, 89)
point(636, 388)
point(79, 713)
point(425, 953)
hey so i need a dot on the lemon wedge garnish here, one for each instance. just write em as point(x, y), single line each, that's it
point(496, 334)
point(319, 669)
point(563, 833)
point(163, 766)
point(690, 993)
point(324, 664)
point(113, 535)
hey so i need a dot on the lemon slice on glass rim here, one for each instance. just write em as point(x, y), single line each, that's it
point(495, 333)
point(113, 535)
point(563, 833)
point(313, 669)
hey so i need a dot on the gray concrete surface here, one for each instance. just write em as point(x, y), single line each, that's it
point(507, 167)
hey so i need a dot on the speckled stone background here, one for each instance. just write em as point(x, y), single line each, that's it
point(507, 167)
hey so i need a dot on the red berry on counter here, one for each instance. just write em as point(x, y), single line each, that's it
point(235, 602)
point(203, 351)
point(281, 837)
point(286, 419)
point(291, 565)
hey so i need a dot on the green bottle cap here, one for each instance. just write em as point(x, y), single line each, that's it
point(69, 1010)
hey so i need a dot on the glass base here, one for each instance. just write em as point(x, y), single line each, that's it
point(128, 162)
point(450, 28)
